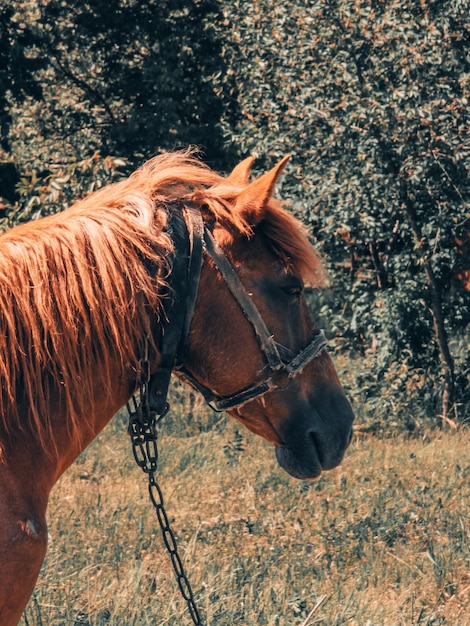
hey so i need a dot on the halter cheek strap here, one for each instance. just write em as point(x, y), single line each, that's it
point(191, 238)
point(278, 357)
point(247, 305)
point(186, 230)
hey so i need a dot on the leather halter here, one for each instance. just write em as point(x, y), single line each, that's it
point(191, 239)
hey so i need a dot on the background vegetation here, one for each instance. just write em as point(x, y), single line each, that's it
point(371, 98)
point(383, 540)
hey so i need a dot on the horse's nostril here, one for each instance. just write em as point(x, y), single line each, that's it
point(317, 444)
point(328, 451)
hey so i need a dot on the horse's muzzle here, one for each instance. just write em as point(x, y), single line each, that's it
point(316, 444)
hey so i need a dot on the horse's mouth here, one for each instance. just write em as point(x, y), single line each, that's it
point(309, 462)
point(297, 467)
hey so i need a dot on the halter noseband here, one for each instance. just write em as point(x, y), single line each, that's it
point(191, 239)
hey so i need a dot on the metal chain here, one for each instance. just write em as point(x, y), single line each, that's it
point(143, 434)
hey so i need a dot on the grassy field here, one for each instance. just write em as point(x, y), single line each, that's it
point(382, 540)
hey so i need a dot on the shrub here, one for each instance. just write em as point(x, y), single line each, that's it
point(371, 99)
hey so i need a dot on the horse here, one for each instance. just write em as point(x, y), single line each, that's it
point(85, 292)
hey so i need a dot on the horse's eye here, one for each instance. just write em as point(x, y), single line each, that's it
point(293, 290)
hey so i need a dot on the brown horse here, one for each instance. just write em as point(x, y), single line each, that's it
point(80, 290)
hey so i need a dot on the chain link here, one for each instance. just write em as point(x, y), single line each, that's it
point(143, 434)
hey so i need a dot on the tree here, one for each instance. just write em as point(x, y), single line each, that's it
point(16, 81)
point(128, 79)
point(92, 80)
point(372, 100)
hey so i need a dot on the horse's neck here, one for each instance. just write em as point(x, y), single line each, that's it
point(104, 407)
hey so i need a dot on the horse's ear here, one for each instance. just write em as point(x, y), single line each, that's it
point(239, 174)
point(253, 199)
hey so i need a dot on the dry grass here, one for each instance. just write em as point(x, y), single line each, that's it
point(381, 541)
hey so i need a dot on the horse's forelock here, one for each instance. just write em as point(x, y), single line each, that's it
point(290, 239)
point(286, 234)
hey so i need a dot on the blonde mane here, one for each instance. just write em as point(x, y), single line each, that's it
point(77, 289)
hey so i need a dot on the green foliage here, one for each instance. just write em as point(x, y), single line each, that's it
point(130, 79)
point(50, 192)
point(17, 68)
point(371, 99)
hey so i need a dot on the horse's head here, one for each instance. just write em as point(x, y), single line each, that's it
point(273, 350)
